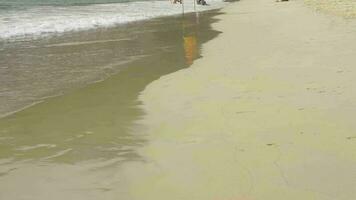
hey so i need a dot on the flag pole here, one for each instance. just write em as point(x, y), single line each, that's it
point(195, 7)
point(182, 6)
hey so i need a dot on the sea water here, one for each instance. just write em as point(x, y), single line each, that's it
point(33, 18)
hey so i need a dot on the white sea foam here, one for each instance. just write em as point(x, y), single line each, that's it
point(44, 20)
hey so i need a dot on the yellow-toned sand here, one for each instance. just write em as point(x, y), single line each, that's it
point(268, 113)
point(345, 8)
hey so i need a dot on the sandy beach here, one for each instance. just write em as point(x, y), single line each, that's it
point(259, 106)
point(265, 114)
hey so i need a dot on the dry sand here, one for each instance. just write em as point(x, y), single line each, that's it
point(266, 114)
point(345, 8)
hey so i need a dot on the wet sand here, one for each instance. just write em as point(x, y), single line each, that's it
point(266, 114)
point(72, 146)
point(33, 69)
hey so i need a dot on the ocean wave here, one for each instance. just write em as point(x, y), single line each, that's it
point(45, 20)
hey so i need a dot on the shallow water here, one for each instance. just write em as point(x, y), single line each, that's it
point(43, 51)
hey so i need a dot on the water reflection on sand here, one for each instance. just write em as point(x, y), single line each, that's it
point(72, 146)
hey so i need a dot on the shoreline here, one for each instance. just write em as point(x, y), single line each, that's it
point(73, 146)
point(266, 113)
